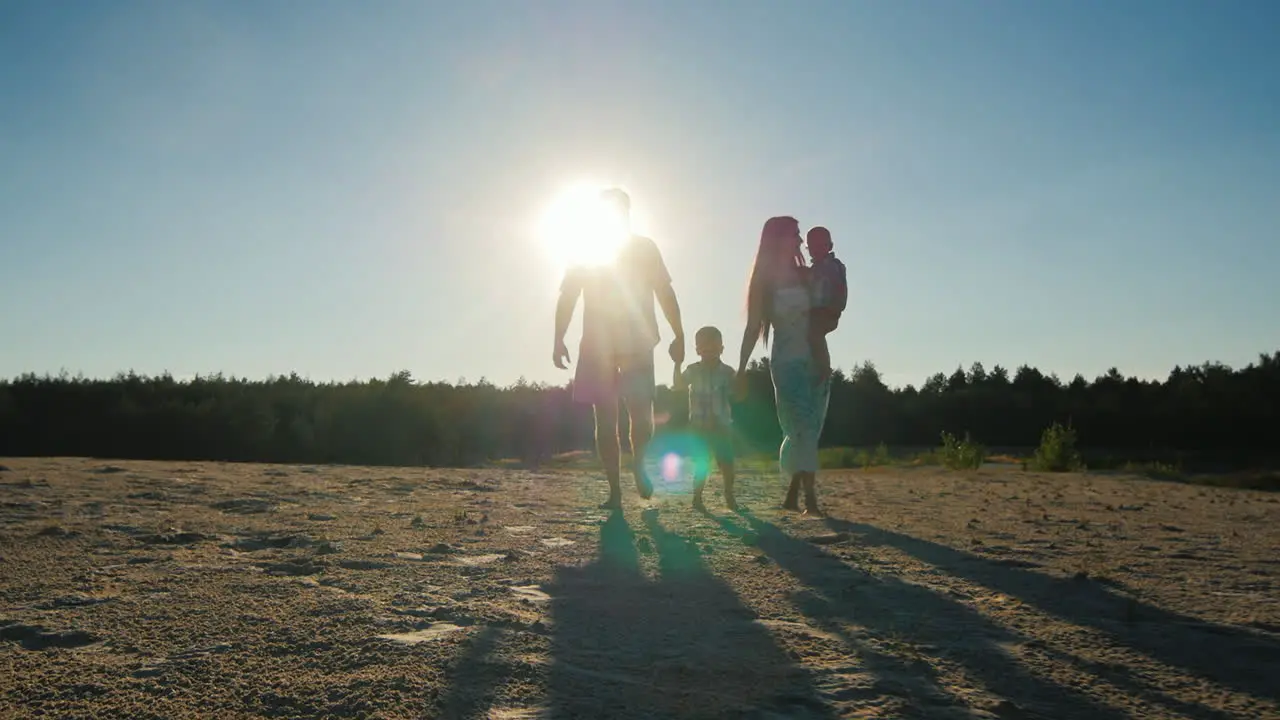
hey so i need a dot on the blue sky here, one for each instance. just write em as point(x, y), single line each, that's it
point(347, 189)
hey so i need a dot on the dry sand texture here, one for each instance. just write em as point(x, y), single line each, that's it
point(173, 590)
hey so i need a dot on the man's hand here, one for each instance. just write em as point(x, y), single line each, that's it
point(740, 387)
point(677, 350)
point(560, 356)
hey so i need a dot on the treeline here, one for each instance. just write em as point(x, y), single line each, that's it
point(1208, 411)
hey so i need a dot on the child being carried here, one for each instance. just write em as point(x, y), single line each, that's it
point(830, 290)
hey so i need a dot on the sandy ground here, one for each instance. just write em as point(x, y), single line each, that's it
point(174, 590)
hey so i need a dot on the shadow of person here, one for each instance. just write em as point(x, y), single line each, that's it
point(1236, 659)
point(680, 646)
point(892, 612)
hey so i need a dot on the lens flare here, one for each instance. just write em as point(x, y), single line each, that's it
point(674, 459)
point(672, 468)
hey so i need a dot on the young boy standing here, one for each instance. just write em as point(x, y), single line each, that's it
point(830, 296)
point(710, 385)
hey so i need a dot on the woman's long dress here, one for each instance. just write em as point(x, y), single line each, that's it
point(802, 402)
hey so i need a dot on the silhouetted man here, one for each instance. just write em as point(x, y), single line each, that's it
point(619, 334)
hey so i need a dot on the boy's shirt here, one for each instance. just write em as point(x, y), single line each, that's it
point(830, 284)
point(710, 387)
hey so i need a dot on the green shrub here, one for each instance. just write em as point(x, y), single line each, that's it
point(844, 458)
point(1057, 451)
point(959, 454)
point(880, 456)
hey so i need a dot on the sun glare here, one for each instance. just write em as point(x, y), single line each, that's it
point(578, 228)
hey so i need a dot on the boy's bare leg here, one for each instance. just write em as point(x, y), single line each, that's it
point(699, 484)
point(727, 470)
point(609, 451)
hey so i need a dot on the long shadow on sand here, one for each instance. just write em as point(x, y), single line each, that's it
point(893, 611)
point(684, 645)
point(473, 680)
point(1246, 662)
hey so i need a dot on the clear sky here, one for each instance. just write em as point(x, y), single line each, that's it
point(347, 189)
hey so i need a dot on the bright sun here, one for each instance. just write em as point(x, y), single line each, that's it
point(578, 228)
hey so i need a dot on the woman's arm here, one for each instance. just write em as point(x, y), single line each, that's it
point(750, 336)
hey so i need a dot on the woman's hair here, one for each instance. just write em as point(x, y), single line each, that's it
point(778, 252)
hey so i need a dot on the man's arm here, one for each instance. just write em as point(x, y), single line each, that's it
point(666, 295)
point(570, 290)
point(671, 309)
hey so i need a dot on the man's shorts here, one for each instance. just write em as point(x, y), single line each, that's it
point(606, 378)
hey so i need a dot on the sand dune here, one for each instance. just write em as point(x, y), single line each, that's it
point(172, 590)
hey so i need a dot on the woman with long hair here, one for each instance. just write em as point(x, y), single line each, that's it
point(778, 301)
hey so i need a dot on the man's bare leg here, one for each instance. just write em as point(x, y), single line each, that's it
point(609, 452)
point(640, 413)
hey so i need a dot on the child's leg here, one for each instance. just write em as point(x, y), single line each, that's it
point(699, 484)
point(821, 355)
point(727, 470)
point(723, 447)
point(820, 324)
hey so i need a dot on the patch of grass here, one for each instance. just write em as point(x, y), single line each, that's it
point(1268, 480)
point(928, 457)
point(837, 458)
point(961, 454)
point(1156, 470)
point(843, 458)
point(1006, 459)
point(1057, 451)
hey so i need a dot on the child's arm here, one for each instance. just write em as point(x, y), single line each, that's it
point(677, 382)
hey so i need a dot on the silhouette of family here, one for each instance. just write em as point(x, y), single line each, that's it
point(797, 302)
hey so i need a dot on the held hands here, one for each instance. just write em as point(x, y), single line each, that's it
point(677, 350)
point(560, 356)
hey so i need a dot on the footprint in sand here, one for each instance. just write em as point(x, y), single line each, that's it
point(244, 506)
point(108, 470)
point(474, 560)
point(520, 529)
point(364, 565)
point(434, 632)
point(531, 593)
point(35, 637)
point(556, 542)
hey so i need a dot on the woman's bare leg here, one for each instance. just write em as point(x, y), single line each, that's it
point(793, 493)
point(811, 495)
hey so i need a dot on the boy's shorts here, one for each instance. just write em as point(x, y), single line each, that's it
point(719, 443)
point(603, 379)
